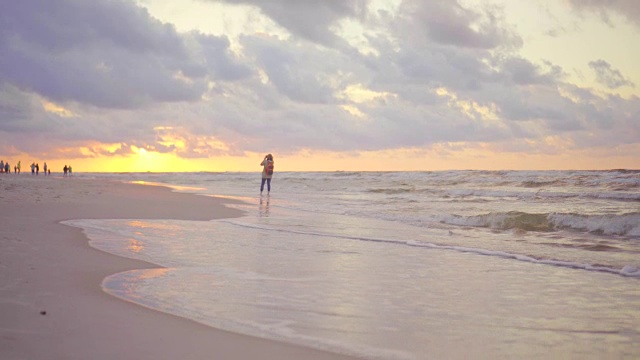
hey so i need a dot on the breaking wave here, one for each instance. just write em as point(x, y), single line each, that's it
point(537, 184)
point(393, 191)
point(623, 225)
point(620, 225)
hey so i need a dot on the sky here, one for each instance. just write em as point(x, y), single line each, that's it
point(323, 85)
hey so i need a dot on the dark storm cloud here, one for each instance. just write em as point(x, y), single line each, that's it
point(608, 76)
point(104, 53)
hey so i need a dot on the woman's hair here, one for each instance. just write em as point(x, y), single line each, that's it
point(270, 157)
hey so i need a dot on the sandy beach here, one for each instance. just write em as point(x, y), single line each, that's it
point(51, 302)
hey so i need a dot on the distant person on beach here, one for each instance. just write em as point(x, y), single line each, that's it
point(18, 167)
point(7, 168)
point(267, 172)
point(33, 168)
point(65, 169)
point(1, 166)
point(45, 168)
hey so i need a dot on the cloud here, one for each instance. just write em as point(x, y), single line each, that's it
point(18, 111)
point(292, 68)
point(308, 19)
point(213, 53)
point(629, 9)
point(608, 76)
point(449, 23)
point(106, 53)
point(423, 75)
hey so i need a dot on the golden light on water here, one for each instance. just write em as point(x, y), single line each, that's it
point(151, 273)
point(135, 246)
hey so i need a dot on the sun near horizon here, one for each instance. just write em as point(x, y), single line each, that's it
point(392, 160)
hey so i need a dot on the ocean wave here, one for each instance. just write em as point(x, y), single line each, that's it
point(503, 221)
point(628, 196)
point(624, 171)
point(344, 174)
point(620, 225)
point(393, 191)
point(537, 184)
point(618, 195)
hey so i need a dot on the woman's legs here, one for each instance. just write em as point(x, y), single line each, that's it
point(262, 184)
point(269, 185)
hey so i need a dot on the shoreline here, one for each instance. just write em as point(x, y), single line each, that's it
point(51, 301)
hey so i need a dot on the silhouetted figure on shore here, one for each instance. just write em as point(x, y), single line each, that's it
point(267, 172)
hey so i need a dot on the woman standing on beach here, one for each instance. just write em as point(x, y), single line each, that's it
point(267, 172)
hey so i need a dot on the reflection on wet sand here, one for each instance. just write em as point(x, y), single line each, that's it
point(263, 209)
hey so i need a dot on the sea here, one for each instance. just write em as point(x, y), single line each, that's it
point(398, 265)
